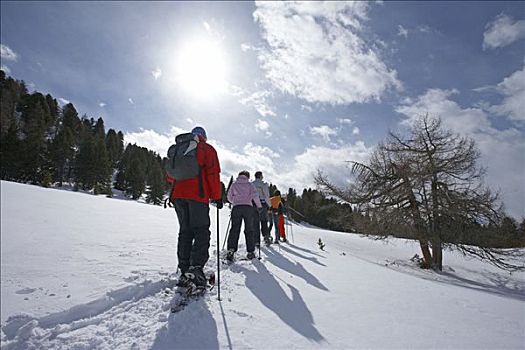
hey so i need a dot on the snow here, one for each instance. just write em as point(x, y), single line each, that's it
point(81, 272)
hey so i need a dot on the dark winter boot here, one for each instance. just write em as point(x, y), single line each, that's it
point(183, 281)
point(196, 277)
point(267, 240)
point(250, 255)
point(230, 255)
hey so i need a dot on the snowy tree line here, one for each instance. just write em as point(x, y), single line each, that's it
point(45, 144)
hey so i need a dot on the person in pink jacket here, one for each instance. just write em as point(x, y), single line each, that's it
point(242, 195)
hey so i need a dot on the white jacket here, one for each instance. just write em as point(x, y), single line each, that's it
point(263, 190)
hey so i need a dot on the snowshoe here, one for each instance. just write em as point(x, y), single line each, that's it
point(230, 256)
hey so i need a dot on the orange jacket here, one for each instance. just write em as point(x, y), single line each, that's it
point(209, 187)
point(275, 202)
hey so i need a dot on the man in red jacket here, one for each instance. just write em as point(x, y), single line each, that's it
point(191, 199)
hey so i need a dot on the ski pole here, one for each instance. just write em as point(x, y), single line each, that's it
point(218, 260)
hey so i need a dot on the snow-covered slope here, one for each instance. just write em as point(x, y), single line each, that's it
point(81, 271)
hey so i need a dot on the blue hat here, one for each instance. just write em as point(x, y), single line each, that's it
point(199, 131)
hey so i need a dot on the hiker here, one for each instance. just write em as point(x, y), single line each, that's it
point(278, 216)
point(241, 195)
point(260, 219)
point(191, 197)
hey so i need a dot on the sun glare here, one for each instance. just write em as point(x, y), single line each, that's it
point(201, 68)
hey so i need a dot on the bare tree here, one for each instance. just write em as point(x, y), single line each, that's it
point(427, 184)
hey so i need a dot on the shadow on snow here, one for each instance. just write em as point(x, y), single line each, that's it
point(295, 268)
point(293, 311)
point(178, 333)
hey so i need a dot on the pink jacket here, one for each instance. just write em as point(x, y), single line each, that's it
point(242, 192)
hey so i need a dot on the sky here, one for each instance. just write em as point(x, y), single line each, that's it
point(284, 87)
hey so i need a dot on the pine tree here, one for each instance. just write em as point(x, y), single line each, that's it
point(156, 184)
point(34, 126)
point(123, 165)
point(115, 147)
point(101, 166)
point(63, 152)
point(9, 157)
point(71, 120)
point(99, 129)
point(135, 178)
point(84, 176)
point(272, 189)
point(11, 93)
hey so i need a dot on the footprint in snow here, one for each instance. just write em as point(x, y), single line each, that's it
point(25, 291)
point(242, 314)
point(131, 278)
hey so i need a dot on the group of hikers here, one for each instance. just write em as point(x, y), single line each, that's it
point(252, 204)
point(193, 170)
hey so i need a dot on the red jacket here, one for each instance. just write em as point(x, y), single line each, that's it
point(211, 188)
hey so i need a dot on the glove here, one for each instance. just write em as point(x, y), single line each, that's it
point(219, 203)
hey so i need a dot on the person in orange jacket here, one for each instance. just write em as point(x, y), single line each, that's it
point(277, 208)
point(191, 199)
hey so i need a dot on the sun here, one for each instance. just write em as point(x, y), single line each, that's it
point(201, 68)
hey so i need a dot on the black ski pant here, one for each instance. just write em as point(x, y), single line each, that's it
point(239, 214)
point(260, 223)
point(194, 234)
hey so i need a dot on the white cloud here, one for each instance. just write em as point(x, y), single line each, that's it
point(314, 52)
point(306, 108)
point(102, 104)
point(503, 31)
point(401, 31)
point(263, 125)
point(7, 54)
point(62, 101)
point(346, 121)
point(502, 151)
point(247, 47)
point(324, 131)
point(153, 140)
point(258, 100)
point(331, 160)
point(424, 29)
point(355, 131)
point(5, 69)
point(131, 101)
point(436, 102)
point(236, 91)
point(251, 157)
point(156, 73)
point(513, 90)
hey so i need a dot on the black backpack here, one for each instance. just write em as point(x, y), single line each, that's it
point(182, 158)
